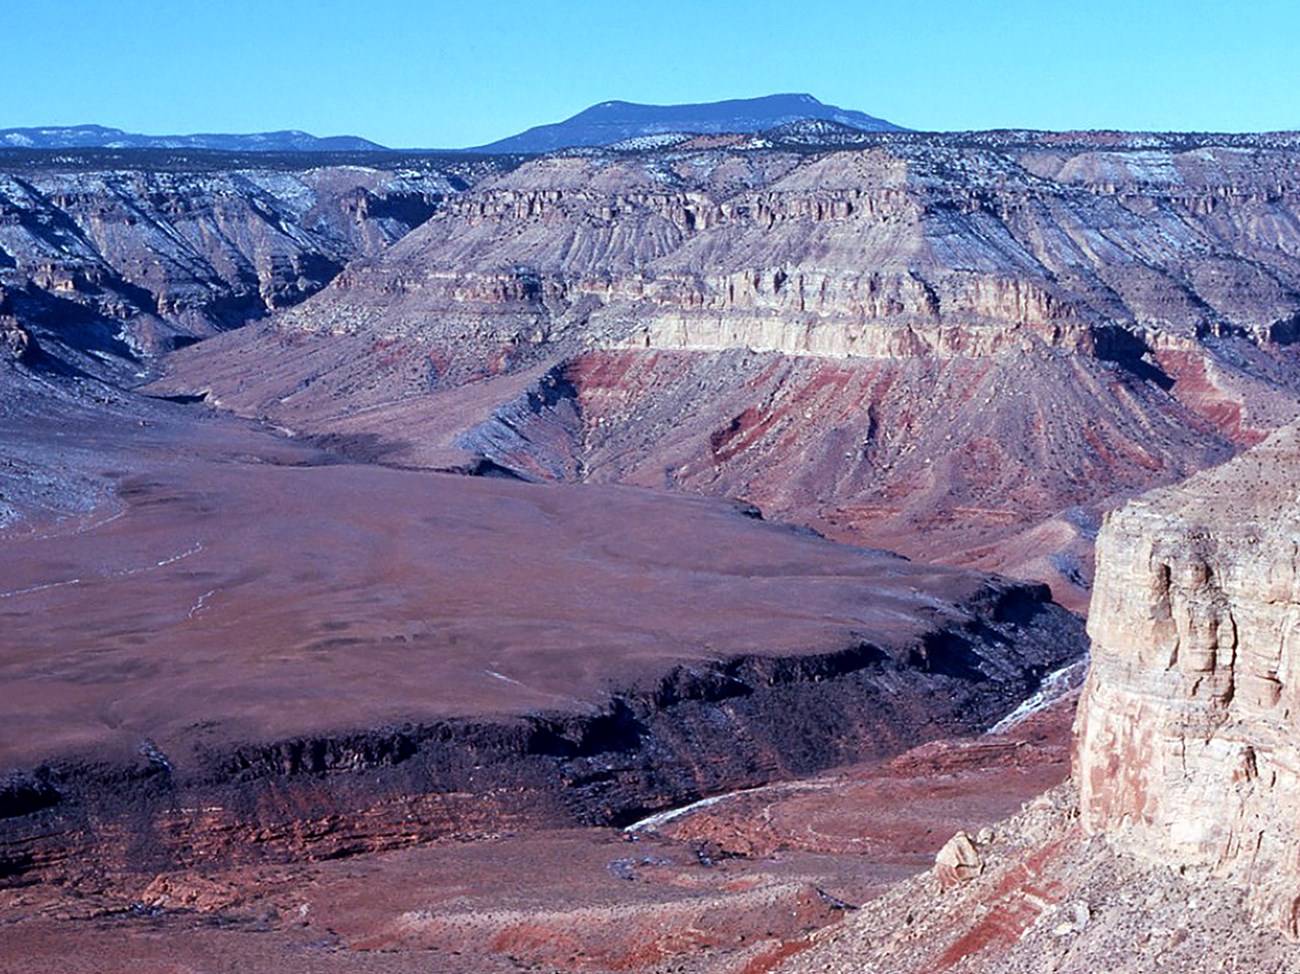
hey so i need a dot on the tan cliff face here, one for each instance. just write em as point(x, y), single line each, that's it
point(1189, 728)
point(1174, 848)
point(1161, 242)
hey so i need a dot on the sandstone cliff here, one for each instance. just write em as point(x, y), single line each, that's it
point(1177, 850)
point(1187, 733)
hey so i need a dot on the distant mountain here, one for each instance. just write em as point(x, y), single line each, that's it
point(99, 137)
point(608, 123)
point(616, 121)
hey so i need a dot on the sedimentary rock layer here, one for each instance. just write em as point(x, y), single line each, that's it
point(1115, 305)
point(1187, 732)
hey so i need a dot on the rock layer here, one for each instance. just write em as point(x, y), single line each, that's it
point(1187, 732)
point(1152, 287)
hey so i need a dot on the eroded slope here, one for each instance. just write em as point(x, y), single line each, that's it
point(1032, 311)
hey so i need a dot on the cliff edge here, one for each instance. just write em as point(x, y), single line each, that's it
point(1173, 849)
point(1187, 732)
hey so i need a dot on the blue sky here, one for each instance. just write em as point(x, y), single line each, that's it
point(407, 73)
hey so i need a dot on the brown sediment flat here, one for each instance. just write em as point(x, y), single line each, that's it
point(260, 679)
point(243, 585)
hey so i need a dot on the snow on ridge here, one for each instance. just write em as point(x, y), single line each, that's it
point(1055, 687)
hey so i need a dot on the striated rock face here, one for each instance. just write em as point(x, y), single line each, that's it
point(125, 257)
point(1188, 728)
point(846, 253)
point(712, 313)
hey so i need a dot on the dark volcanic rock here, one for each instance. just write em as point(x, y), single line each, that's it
point(264, 658)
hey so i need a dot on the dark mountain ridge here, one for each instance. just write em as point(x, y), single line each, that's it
point(99, 136)
point(614, 121)
point(602, 124)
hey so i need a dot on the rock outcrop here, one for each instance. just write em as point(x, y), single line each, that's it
point(962, 347)
point(959, 861)
point(1174, 848)
point(14, 340)
point(1188, 728)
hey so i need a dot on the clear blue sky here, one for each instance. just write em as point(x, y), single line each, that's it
point(408, 73)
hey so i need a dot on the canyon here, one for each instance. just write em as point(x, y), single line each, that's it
point(964, 348)
point(263, 682)
point(487, 562)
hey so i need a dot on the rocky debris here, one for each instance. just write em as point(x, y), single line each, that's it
point(959, 861)
point(189, 891)
point(1053, 899)
point(1187, 748)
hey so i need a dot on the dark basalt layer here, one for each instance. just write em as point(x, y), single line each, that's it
point(701, 729)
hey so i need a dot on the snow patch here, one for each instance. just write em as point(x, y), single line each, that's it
point(1055, 687)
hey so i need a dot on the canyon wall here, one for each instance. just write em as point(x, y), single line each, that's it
point(962, 347)
point(1188, 729)
point(109, 259)
point(104, 257)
